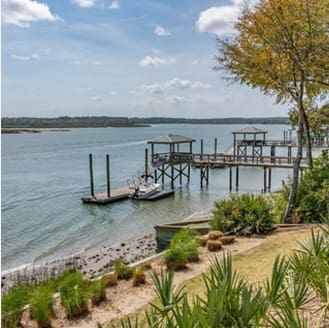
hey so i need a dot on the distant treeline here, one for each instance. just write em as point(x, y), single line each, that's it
point(107, 121)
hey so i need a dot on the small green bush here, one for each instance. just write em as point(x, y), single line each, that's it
point(74, 294)
point(245, 214)
point(183, 248)
point(41, 303)
point(98, 291)
point(12, 304)
point(122, 270)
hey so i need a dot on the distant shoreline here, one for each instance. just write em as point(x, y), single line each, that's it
point(36, 125)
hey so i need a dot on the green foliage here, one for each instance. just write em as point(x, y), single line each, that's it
point(41, 303)
point(74, 294)
point(182, 249)
point(312, 193)
point(122, 270)
point(12, 304)
point(243, 214)
point(98, 290)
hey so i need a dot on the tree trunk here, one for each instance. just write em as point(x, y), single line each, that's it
point(295, 174)
point(308, 141)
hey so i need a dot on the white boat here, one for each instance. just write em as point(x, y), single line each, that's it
point(144, 190)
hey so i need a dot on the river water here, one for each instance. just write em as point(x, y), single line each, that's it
point(45, 174)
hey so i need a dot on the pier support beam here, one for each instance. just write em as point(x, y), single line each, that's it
point(108, 175)
point(265, 187)
point(230, 178)
point(237, 178)
point(269, 179)
point(91, 172)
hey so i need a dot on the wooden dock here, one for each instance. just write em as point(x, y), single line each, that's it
point(103, 198)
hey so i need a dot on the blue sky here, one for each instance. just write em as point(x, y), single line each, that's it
point(121, 58)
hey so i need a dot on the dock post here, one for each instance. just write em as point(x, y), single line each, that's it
point(188, 173)
point(180, 174)
point(91, 172)
point(201, 149)
point(215, 148)
point(237, 178)
point(163, 173)
point(108, 175)
point(172, 176)
point(230, 178)
point(146, 164)
point(269, 179)
point(201, 175)
point(289, 154)
point(265, 187)
point(207, 175)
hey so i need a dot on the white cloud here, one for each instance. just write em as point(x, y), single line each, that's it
point(175, 83)
point(161, 31)
point(113, 93)
point(22, 12)
point(25, 58)
point(218, 20)
point(114, 5)
point(154, 62)
point(84, 3)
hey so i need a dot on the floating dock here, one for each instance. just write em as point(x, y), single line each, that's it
point(103, 198)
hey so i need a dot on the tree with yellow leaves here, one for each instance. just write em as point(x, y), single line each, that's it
point(282, 48)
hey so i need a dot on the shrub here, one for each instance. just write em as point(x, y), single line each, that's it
point(214, 245)
point(122, 270)
point(182, 249)
point(98, 291)
point(214, 235)
point(41, 305)
point(246, 214)
point(139, 277)
point(111, 280)
point(12, 304)
point(226, 240)
point(176, 258)
point(74, 294)
point(202, 240)
point(312, 193)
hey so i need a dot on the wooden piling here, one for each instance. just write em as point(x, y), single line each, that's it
point(237, 178)
point(269, 179)
point(230, 178)
point(91, 172)
point(265, 187)
point(215, 148)
point(146, 164)
point(201, 149)
point(108, 175)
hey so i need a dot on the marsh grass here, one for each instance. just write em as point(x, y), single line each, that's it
point(98, 291)
point(122, 270)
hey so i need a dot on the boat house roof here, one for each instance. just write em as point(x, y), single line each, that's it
point(171, 139)
point(250, 130)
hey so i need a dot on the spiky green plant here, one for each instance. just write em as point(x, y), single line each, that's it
point(74, 294)
point(41, 305)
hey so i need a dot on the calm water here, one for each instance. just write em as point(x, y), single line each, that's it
point(44, 175)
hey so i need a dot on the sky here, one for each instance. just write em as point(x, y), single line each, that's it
point(130, 58)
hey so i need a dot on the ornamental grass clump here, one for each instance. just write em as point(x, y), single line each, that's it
point(227, 240)
point(12, 305)
point(214, 245)
point(139, 277)
point(111, 280)
point(74, 293)
point(215, 235)
point(202, 240)
point(183, 248)
point(98, 291)
point(41, 305)
point(123, 271)
point(245, 214)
